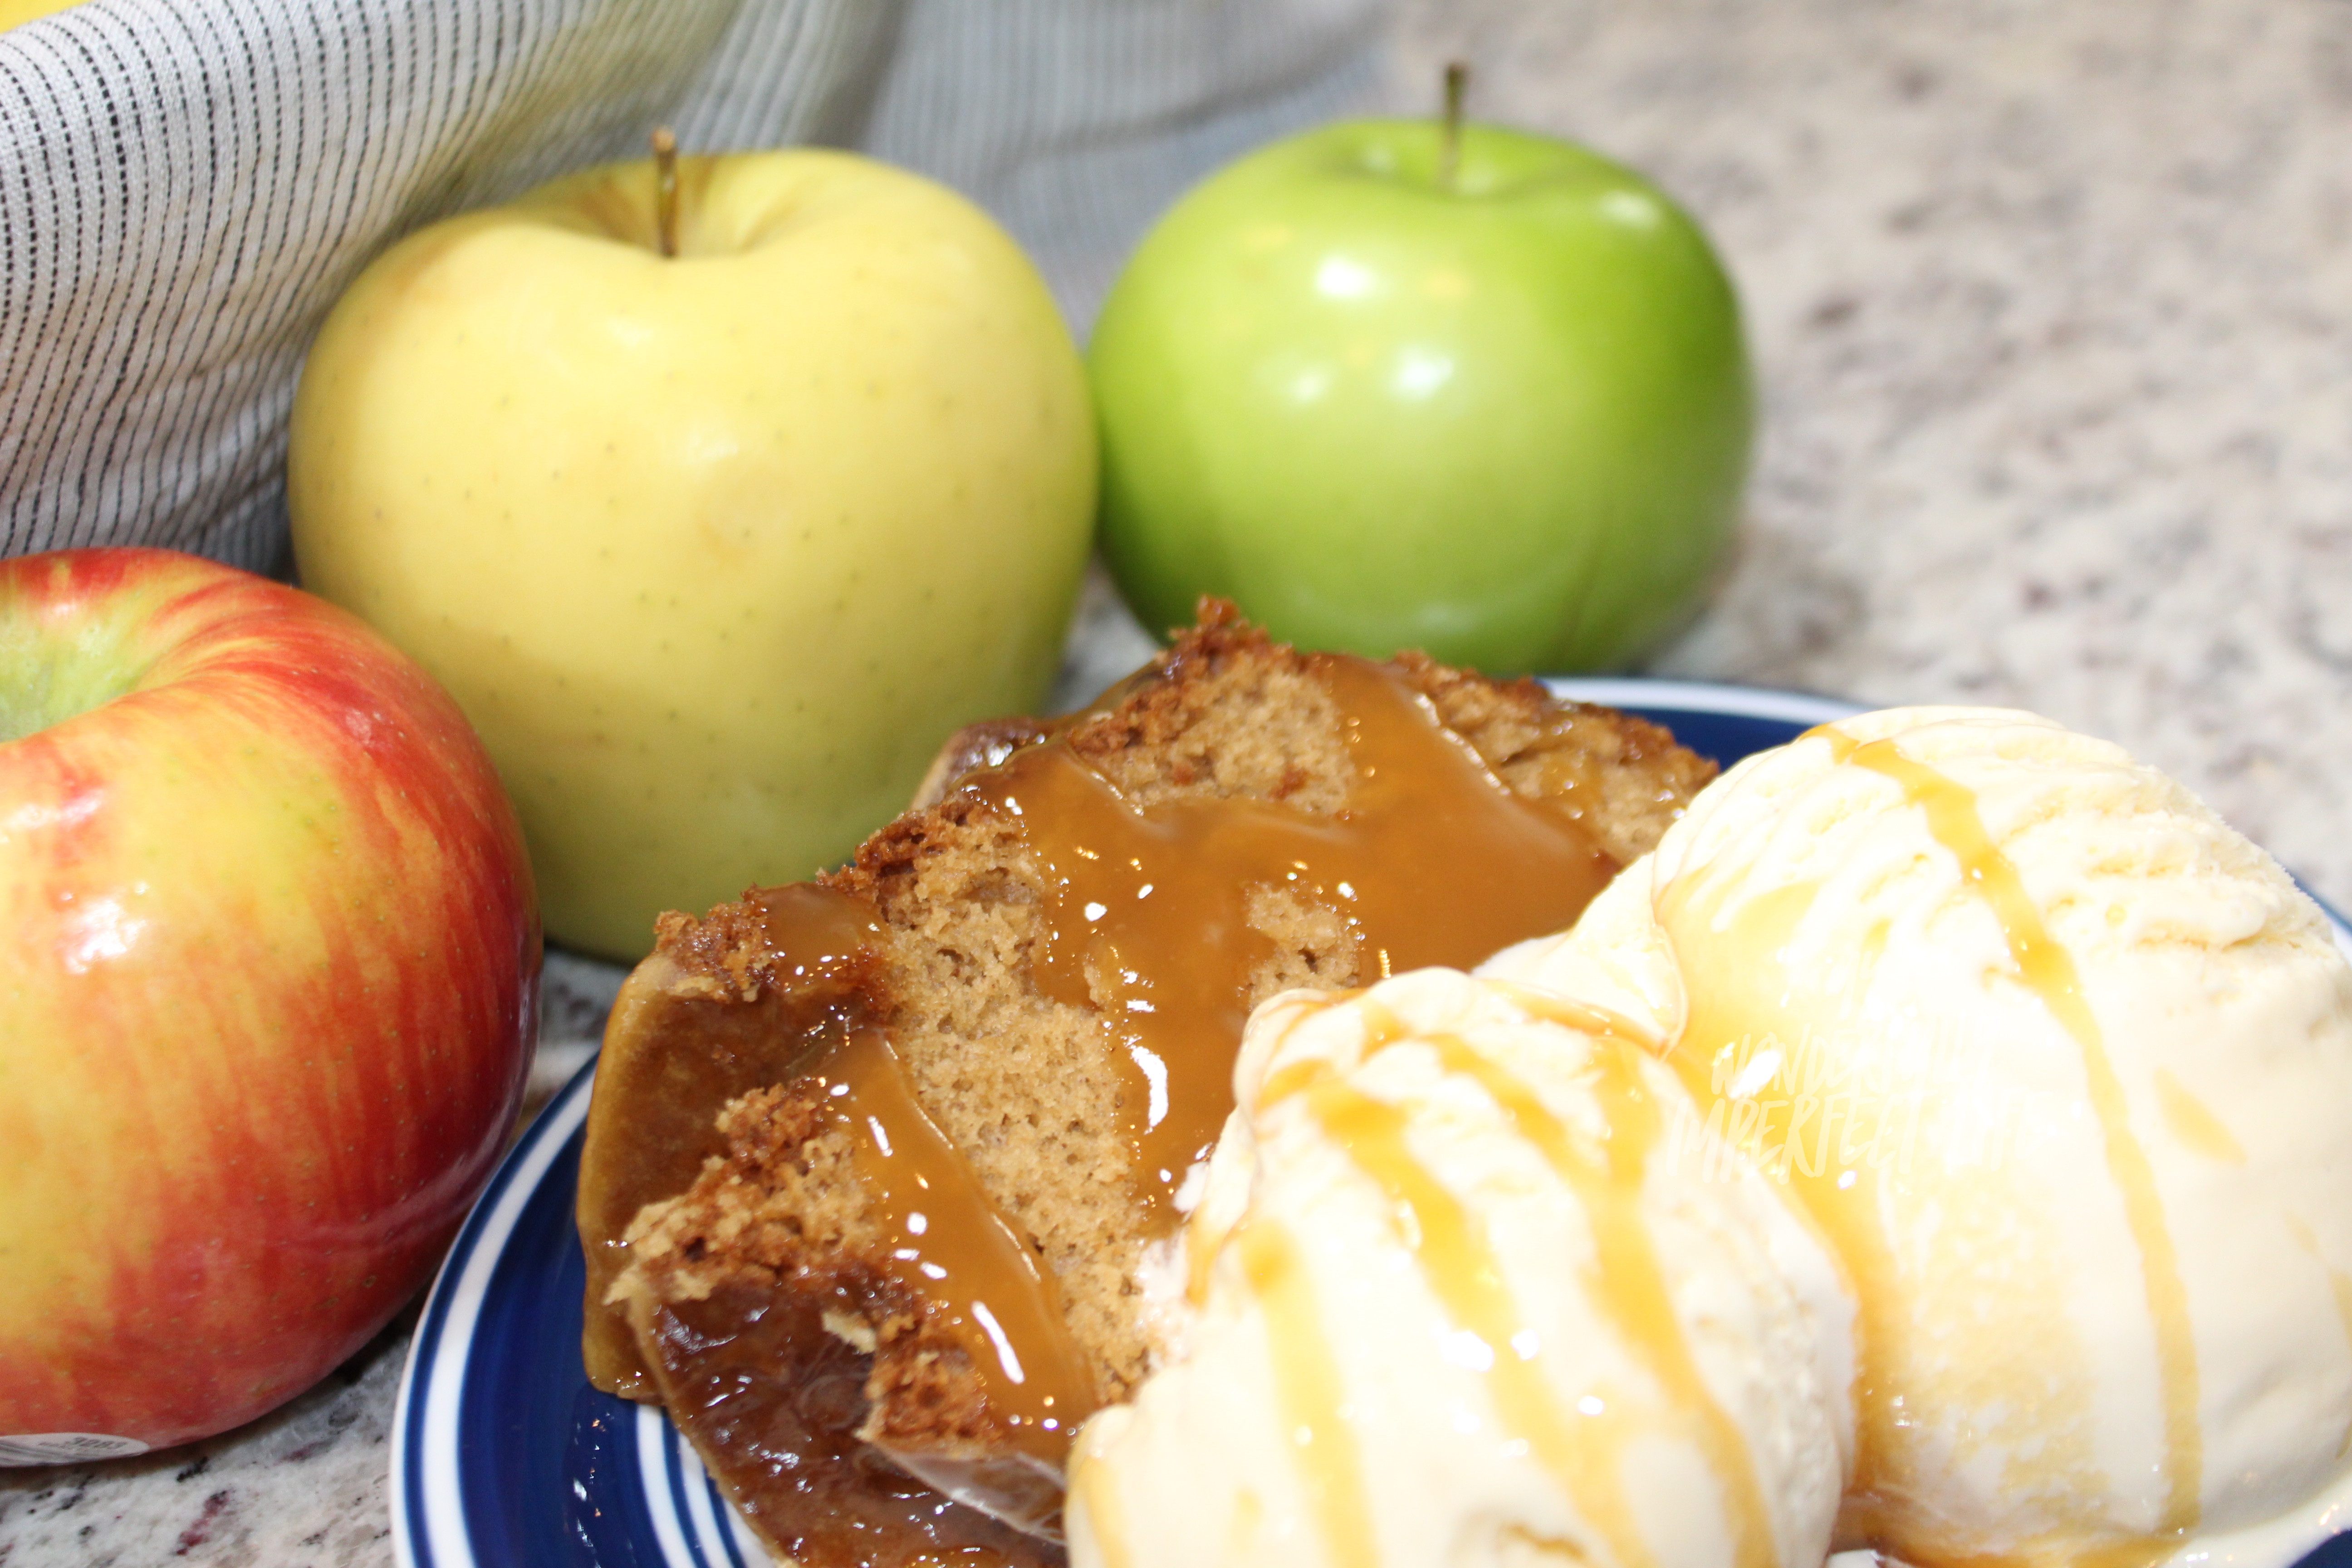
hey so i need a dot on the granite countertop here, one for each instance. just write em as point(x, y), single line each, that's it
point(2052, 311)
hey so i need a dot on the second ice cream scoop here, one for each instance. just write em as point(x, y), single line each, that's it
point(2062, 1066)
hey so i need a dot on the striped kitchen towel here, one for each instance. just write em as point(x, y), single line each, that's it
point(185, 185)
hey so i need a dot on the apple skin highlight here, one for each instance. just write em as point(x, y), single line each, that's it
point(272, 999)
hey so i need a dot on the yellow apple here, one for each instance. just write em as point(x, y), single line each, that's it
point(714, 549)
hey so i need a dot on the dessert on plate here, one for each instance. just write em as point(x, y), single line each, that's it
point(2041, 1065)
point(885, 1173)
point(1932, 1143)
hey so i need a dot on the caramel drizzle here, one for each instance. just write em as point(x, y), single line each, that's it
point(654, 1119)
point(772, 1399)
point(1461, 1269)
point(1309, 1392)
point(1629, 1280)
point(1459, 1265)
point(1147, 913)
point(948, 1242)
point(1585, 1018)
point(1147, 909)
point(2192, 1122)
point(1727, 1000)
point(1739, 993)
point(2048, 969)
point(1382, 1028)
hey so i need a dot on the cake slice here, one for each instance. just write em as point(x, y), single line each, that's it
point(882, 1171)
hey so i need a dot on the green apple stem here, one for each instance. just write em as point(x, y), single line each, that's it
point(665, 190)
point(1449, 146)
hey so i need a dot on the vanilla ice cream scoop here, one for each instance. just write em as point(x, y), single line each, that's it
point(2062, 1066)
point(1474, 1287)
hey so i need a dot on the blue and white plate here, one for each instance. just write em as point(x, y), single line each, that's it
point(503, 1457)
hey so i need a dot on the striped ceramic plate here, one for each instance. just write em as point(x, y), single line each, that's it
point(504, 1458)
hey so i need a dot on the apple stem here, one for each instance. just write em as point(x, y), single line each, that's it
point(665, 190)
point(1449, 146)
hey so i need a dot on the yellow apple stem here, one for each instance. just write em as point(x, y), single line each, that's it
point(1449, 147)
point(665, 189)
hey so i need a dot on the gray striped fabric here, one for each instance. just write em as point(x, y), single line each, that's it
point(185, 185)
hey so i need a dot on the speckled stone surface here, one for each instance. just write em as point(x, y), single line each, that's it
point(2052, 312)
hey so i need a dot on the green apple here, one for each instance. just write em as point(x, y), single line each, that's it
point(714, 549)
point(1500, 411)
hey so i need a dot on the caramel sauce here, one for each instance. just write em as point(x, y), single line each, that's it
point(774, 1401)
point(1739, 999)
point(1458, 1263)
point(1629, 1281)
point(1381, 1029)
point(947, 1242)
point(2193, 1122)
point(1744, 996)
point(770, 1397)
point(1147, 909)
point(2048, 969)
point(681, 1044)
point(1585, 1018)
point(1148, 926)
point(1310, 1394)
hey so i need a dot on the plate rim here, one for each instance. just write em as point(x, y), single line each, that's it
point(431, 1383)
point(425, 1484)
point(1705, 696)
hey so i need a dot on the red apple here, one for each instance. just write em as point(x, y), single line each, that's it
point(269, 994)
